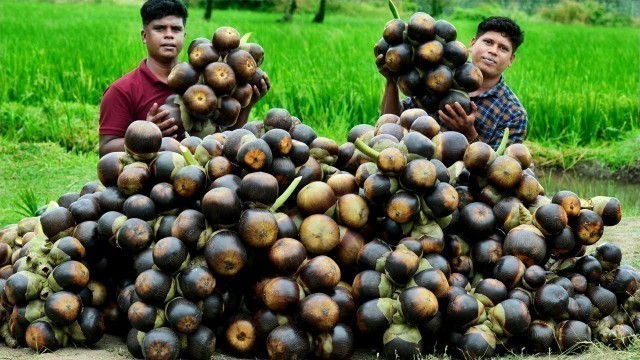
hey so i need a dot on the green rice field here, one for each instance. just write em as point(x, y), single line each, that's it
point(579, 84)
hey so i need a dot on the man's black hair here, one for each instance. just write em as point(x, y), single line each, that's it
point(157, 9)
point(503, 25)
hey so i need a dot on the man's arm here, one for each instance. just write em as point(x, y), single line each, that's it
point(390, 100)
point(110, 143)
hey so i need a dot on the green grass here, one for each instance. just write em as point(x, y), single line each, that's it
point(45, 169)
point(579, 84)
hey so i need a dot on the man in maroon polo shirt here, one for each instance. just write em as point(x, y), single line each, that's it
point(137, 95)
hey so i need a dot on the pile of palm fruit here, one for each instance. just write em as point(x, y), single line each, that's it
point(272, 241)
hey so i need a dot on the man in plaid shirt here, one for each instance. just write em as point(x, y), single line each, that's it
point(494, 106)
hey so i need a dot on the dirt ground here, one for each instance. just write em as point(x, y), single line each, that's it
point(626, 235)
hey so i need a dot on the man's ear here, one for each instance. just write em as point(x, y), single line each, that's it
point(143, 36)
point(473, 41)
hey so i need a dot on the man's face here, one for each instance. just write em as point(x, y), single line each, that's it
point(492, 53)
point(164, 38)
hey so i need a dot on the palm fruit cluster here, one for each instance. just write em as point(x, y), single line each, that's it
point(272, 241)
point(216, 82)
point(427, 62)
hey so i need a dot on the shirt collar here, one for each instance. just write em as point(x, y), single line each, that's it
point(496, 90)
point(148, 73)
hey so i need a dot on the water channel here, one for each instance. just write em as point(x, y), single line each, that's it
point(586, 187)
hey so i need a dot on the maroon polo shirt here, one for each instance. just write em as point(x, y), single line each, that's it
point(130, 98)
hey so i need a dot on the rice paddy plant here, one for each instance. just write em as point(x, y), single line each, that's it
point(578, 83)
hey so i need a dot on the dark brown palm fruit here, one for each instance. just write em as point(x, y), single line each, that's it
point(338, 343)
point(468, 76)
point(403, 341)
point(540, 336)
point(145, 317)
point(371, 284)
point(224, 253)
point(417, 145)
point(421, 27)
point(477, 342)
point(477, 220)
point(399, 57)
point(439, 262)
point(182, 76)
point(478, 156)
point(374, 316)
point(111, 199)
point(352, 211)
point(608, 208)
point(41, 336)
point(202, 55)
point(243, 93)
point(154, 287)
point(281, 294)
point(510, 317)
point(504, 172)
point(455, 96)
point(464, 311)
point(190, 226)
point(390, 139)
point(528, 188)
point(220, 77)
point(439, 80)
point(241, 335)
point(534, 277)
point(391, 160)
point(67, 198)
point(183, 315)
point(381, 47)
point(573, 336)
point(521, 294)
point(64, 249)
point(258, 228)
point(425, 125)
point(206, 150)
point(450, 147)
point(393, 32)
point(191, 143)
point(609, 255)
point(408, 116)
point(318, 312)
point(564, 282)
point(218, 167)
point(235, 139)
point(170, 254)
point(300, 153)
point(445, 31)
point(135, 235)
point(428, 55)
point(433, 280)
point(71, 276)
point(316, 197)
point(195, 282)
point(490, 292)
point(303, 133)
point(360, 131)
point(319, 233)
point(166, 164)
point(527, 243)
point(521, 153)
point(386, 119)
point(288, 341)
point(277, 118)
point(320, 274)
point(140, 206)
point(57, 223)
point(161, 344)
point(221, 207)
point(286, 255)
point(258, 77)
point(343, 183)
point(201, 345)
point(417, 305)
point(455, 54)
point(195, 42)
point(190, 182)
point(200, 100)
point(164, 198)
point(225, 38)
point(62, 308)
point(256, 51)
point(551, 219)
point(410, 83)
point(400, 266)
point(324, 150)
point(259, 187)
point(243, 64)
point(418, 176)
point(604, 301)
point(509, 270)
point(85, 209)
point(403, 207)
point(550, 300)
point(588, 227)
point(569, 201)
point(590, 267)
point(621, 282)
point(91, 327)
point(142, 139)
point(254, 155)
point(279, 141)
point(442, 201)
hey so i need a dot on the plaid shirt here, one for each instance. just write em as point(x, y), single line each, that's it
point(498, 108)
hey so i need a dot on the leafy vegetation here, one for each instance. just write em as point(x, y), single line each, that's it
point(325, 74)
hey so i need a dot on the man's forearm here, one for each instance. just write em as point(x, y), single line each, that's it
point(111, 145)
point(390, 101)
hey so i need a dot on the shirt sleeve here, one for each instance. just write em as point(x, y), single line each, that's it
point(115, 114)
point(516, 121)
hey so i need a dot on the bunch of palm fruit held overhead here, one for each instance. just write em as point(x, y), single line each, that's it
point(272, 241)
